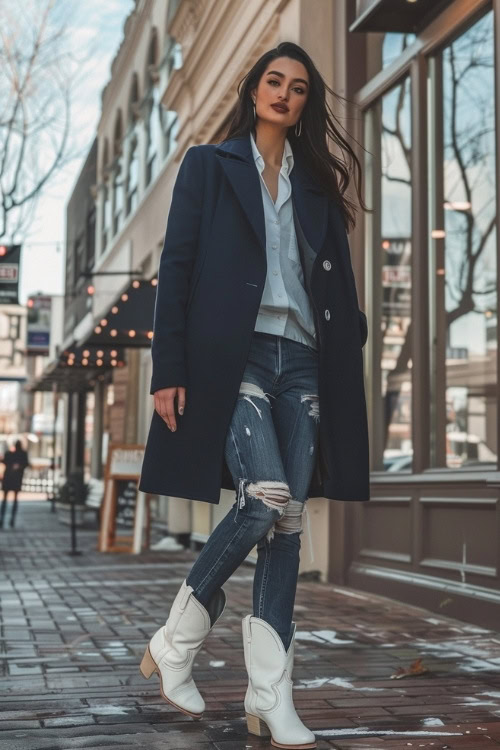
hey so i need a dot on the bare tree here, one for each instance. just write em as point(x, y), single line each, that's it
point(36, 75)
point(469, 151)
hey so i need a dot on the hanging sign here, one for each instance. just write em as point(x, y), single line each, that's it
point(38, 324)
point(10, 256)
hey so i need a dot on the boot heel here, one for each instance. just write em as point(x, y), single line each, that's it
point(147, 665)
point(257, 726)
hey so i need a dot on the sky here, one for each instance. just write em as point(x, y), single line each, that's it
point(95, 33)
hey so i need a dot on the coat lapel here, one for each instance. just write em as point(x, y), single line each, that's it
point(236, 158)
point(311, 204)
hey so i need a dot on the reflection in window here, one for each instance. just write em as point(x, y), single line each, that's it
point(383, 49)
point(395, 266)
point(393, 45)
point(470, 298)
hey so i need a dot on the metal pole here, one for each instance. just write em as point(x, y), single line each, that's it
point(73, 491)
point(54, 446)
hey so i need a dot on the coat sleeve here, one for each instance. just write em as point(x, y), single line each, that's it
point(174, 274)
point(363, 325)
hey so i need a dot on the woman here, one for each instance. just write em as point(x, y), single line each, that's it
point(15, 463)
point(257, 371)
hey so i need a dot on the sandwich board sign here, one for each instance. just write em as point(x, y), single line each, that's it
point(123, 511)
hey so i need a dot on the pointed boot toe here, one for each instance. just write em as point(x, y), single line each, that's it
point(173, 648)
point(269, 705)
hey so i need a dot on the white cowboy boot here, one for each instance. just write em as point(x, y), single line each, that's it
point(269, 705)
point(172, 649)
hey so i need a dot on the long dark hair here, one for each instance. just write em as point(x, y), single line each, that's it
point(331, 174)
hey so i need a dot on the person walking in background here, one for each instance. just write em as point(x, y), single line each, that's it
point(258, 336)
point(15, 462)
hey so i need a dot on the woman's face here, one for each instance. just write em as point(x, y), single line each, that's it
point(287, 81)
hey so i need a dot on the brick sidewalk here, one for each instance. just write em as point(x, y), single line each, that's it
point(75, 628)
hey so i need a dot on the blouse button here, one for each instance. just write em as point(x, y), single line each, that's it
point(327, 314)
point(327, 265)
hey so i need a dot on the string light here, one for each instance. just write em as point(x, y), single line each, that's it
point(136, 284)
point(114, 309)
point(90, 289)
point(154, 282)
point(100, 353)
point(114, 353)
point(113, 332)
point(99, 362)
point(86, 353)
point(131, 333)
point(150, 334)
point(104, 322)
point(85, 362)
point(113, 362)
point(124, 297)
point(97, 329)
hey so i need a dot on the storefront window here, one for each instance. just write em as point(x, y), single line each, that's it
point(390, 125)
point(385, 48)
point(393, 45)
point(468, 303)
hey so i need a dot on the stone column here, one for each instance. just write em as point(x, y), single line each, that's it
point(96, 457)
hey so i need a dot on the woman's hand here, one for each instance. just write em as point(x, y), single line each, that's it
point(164, 404)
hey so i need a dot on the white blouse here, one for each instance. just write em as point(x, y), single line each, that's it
point(285, 307)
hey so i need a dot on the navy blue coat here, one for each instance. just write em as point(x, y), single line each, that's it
point(210, 282)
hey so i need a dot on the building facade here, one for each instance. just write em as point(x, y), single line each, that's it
point(420, 97)
point(428, 254)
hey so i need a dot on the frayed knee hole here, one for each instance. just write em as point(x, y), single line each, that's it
point(291, 520)
point(273, 494)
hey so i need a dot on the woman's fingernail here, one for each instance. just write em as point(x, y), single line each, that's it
point(181, 410)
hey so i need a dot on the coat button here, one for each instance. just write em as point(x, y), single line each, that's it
point(327, 265)
point(327, 314)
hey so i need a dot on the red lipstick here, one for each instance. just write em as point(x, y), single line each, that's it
point(280, 107)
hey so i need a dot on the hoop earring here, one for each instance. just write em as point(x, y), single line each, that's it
point(254, 112)
point(300, 128)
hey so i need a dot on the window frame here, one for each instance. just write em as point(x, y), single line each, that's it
point(418, 61)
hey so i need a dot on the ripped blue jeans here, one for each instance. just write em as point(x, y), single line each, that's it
point(270, 450)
